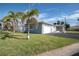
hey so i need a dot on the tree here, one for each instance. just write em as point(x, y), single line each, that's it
point(33, 22)
point(13, 18)
point(78, 19)
point(54, 23)
point(62, 22)
point(67, 26)
point(58, 22)
point(6, 23)
point(20, 15)
point(30, 16)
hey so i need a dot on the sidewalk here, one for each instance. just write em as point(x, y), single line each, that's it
point(64, 51)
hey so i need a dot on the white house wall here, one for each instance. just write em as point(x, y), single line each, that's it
point(53, 29)
point(47, 29)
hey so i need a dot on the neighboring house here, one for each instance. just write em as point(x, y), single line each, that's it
point(41, 28)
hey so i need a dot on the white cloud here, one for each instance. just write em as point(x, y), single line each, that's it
point(74, 16)
point(49, 20)
point(76, 11)
point(25, 10)
point(42, 15)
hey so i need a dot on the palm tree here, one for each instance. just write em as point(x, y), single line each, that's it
point(33, 23)
point(30, 17)
point(13, 18)
point(20, 16)
point(6, 23)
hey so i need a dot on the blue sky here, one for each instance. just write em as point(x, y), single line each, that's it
point(49, 12)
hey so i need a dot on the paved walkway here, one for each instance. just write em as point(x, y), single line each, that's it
point(67, 35)
point(64, 51)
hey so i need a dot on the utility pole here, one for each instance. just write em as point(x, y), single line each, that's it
point(65, 19)
point(64, 29)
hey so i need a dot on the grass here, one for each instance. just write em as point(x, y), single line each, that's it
point(17, 43)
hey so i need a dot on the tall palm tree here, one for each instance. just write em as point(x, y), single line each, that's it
point(13, 18)
point(29, 16)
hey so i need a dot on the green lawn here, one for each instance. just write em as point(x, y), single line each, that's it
point(18, 44)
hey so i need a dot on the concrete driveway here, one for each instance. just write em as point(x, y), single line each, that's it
point(67, 35)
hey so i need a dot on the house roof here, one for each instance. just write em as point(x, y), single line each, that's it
point(49, 24)
point(45, 23)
